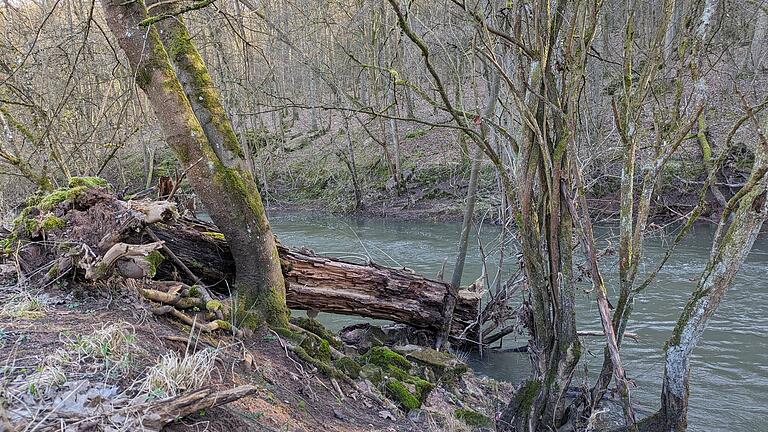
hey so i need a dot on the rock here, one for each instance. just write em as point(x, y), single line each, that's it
point(403, 334)
point(444, 365)
point(362, 336)
point(365, 336)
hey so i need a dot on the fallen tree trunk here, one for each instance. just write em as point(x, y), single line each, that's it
point(318, 282)
point(91, 231)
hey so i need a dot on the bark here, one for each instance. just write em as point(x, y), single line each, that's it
point(197, 129)
point(322, 283)
point(754, 59)
point(458, 269)
point(729, 252)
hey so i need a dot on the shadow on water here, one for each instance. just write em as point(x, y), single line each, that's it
point(729, 383)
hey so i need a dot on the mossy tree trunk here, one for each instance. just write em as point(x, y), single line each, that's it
point(196, 127)
point(739, 226)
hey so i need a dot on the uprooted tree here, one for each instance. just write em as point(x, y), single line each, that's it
point(184, 266)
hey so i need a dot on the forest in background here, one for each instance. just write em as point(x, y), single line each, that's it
point(336, 110)
point(543, 117)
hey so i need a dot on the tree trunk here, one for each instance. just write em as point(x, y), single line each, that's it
point(731, 248)
point(754, 59)
point(318, 282)
point(198, 130)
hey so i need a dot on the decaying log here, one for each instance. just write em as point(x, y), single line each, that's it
point(327, 284)
point(132, 255)
point(318, 282)
point(162, 412)
point(101, 233)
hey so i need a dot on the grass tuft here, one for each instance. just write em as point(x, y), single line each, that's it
point(174, 374)
point(25, 305)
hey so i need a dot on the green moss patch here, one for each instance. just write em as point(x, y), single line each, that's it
point(89, 182)
point(445, 366)
point(400, 393)
point(384, 357)
point(154, 259)
point(51, 222)
point(349, 367)
point(213, 234)
point(314, 326)
point(472, 418)
point(526, 394)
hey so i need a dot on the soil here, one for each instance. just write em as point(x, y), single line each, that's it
point(291, 396)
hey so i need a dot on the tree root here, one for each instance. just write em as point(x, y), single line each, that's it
point(193, 322)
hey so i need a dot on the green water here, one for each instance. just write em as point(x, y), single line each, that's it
point(729, 382)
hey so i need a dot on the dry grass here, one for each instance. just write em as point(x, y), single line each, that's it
point(174, 374)
point(107, 343)
point(25, 304)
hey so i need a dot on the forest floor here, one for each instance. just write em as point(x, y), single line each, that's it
point(69, 351)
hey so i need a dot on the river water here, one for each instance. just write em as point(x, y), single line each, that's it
point(729, 382)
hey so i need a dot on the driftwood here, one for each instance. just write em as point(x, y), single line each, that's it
point(149, 416)
point(131, 260)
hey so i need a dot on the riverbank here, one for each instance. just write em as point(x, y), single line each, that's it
point(436, 174)
point(119, 341)
point(83, 354)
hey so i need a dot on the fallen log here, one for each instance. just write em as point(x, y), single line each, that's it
point(157, 414)
point(92, 230)
point(318, 282)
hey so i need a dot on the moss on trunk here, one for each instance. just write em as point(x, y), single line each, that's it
point(197, 129)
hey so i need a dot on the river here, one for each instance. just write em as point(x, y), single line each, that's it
point(729, 382)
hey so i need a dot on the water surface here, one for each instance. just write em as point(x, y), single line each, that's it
point(729, 382)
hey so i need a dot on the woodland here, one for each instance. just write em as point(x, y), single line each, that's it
point(146, 145)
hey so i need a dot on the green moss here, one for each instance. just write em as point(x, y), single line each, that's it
point(240, 183)
point(372, 373)
point(384, 357)
point(317, 348)
point(53, 272)
point(526, 394)
point(472, 418)
point(266, 305)
point(154, 259)
point(216, 235)
point(399, 393)
point(326, 368)
point(423, 388)
point(6, 246)
point(226, 325)
point(314, 326)
point(186, 57)
point(685, 316)
point(89, 182)
point(30, 225)
point(445, 366)
point(51, 222)
point(245, 317)
point(349, 366)
point(60, 195)
point(213, 305)
point(194, 291)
